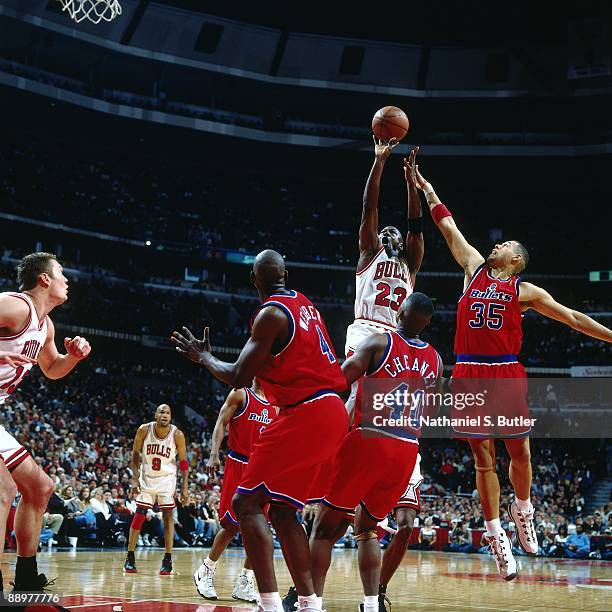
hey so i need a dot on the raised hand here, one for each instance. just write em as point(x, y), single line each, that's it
point(410, 167)
point(189, 346)
point(15, 359)
point(420, 179)
point(382, 150)
point(77, 347)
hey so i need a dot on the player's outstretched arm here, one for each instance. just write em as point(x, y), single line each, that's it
point(53, 364)
point(463, 252)
point(270, 330)
point(136, 450)
point(181, 449)
point(369, 242)
point(368, 354)
point(233, 402)
point(532, 296)
point(415, 244)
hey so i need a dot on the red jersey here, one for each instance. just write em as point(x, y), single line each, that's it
point(247, 424)
point(489, 319)
point(415, 366)
point(307, 366)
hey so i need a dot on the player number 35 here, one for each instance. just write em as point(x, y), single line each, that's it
point(490, 316)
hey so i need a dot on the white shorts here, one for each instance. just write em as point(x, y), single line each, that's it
point(411, 497)
point(356, 333)
point(160, 490)
point(11, 452)
point(359, 330)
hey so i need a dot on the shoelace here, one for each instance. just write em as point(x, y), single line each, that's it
point(497, 549)
point(527, 525)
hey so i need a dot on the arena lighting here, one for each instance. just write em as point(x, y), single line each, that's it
point(148, 243)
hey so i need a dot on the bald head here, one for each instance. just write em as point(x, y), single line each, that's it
point(269, 268)
point(163, 415)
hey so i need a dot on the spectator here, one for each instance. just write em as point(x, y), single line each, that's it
point(577, 546)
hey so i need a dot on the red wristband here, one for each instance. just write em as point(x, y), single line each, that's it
point(183, 465)
point(439, 212)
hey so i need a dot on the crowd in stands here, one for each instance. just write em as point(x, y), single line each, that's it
point(81, 429)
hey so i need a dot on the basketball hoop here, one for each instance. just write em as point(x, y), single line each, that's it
point(94, 10)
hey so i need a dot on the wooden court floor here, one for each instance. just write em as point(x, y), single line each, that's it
point(94, 581)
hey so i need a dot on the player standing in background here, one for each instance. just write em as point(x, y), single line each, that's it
point(27, 337)
point(488, 338)
point(373, 466)
point(154, 480)
point(247, 415)
point(291, 355)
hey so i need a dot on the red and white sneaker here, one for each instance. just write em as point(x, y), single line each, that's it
point(525, 531)
point(501, 547)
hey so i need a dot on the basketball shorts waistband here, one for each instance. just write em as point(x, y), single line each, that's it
point(237, 456)
point(312, 397)
point(489, 359)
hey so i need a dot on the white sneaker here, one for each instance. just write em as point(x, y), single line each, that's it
point(525, 531)
point(500, 545)
point(245, 590)
point(139, 541)
point(145, 540)
point(204, 581)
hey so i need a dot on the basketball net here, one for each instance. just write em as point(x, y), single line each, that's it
point(94, 10)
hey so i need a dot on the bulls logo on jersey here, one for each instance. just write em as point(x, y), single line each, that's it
point(31, 349)
point(158, 449)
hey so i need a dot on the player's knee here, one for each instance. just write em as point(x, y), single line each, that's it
point(242, 505)
point(46, 487)
point(521, 455)
point(404, 528)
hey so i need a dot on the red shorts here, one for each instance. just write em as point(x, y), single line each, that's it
point(371, 471)
point(411, 498)
point(504, 413)
point(286, 459)
point(235, 467)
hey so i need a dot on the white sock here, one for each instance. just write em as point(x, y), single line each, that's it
point(210, 564)
point(370, 603)
point(308, 601)
point(494, 527)
point(271, 602)
point(247, 573)
point(320, 602)
point(524, 505)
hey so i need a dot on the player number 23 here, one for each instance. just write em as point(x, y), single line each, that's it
point(382, 297)
point(490, 316)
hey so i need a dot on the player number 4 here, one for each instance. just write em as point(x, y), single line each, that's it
point(325, 349)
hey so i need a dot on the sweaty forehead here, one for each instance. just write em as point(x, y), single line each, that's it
point(391, 229)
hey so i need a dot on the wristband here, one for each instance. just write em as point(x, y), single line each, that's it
point(415, 225)
point(427, 189)
point(184, 465)
point(439, 212)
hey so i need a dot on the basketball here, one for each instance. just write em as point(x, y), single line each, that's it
point(390, 122)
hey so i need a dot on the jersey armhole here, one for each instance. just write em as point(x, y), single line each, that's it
point(476, 273)
point(291, 324)
point(384, 357)
point(246, 403)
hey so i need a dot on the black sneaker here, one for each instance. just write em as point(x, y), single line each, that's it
point(129, 567)
point(166, 567)
point(290, 600)
point(34, 583)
